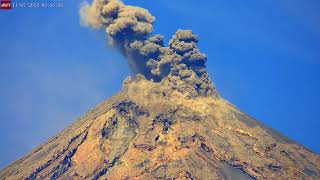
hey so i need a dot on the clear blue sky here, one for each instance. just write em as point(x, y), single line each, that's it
point(263, 56)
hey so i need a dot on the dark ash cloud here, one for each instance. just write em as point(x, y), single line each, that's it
point(129, 29)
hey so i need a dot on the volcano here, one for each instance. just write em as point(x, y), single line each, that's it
point(151, 131)
point(168, 122)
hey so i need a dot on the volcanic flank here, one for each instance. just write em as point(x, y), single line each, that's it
point(168, 122)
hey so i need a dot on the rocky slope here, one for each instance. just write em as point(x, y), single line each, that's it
point(153, 131)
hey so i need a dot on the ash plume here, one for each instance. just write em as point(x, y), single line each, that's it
point(129, 29)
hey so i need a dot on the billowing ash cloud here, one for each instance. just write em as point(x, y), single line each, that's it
point(129, 29)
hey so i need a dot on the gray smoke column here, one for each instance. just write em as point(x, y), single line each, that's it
point(129, 28)
point(124, 24)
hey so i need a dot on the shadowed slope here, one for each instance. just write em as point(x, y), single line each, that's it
point(151, 131)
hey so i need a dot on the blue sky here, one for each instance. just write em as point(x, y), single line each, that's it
point(263, 56)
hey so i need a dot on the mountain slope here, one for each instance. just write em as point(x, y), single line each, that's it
point(151, 131)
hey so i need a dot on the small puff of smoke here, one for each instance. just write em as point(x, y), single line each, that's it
point(90, 15)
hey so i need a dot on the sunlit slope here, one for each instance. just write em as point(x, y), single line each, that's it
point(151, 131)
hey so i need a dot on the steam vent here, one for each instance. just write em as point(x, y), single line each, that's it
point(168, 122)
